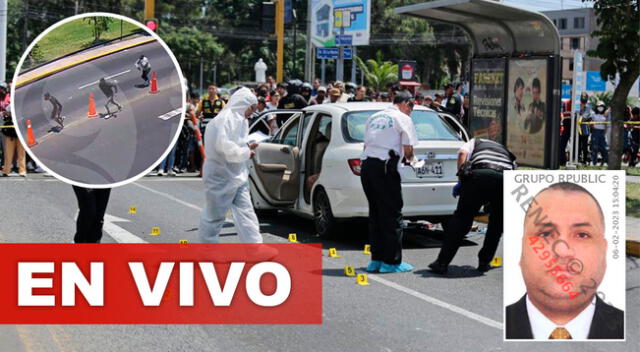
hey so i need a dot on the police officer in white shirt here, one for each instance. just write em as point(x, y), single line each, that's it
point(389, 138)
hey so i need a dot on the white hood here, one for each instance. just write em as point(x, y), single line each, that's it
point(225, 142)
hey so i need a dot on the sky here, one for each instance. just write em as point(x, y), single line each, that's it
point(547, 5)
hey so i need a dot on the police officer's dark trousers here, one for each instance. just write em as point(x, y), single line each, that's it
point(381, 184)
point(92, 204)
point(483, 186)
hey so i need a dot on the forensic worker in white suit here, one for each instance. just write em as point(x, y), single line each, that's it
point(225, 173)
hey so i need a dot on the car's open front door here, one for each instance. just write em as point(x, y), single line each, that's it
point(276, 164)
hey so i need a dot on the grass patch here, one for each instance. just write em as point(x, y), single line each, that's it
point(73, 36)
point(633, 199)
point(633, 171)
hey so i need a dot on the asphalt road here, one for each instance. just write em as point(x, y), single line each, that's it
point(99, 150)
point(414, 311)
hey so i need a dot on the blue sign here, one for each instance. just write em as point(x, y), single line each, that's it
point(566, 91)
point(595, 82)
point(344, 39)
point(332, 53)
point(288, 12)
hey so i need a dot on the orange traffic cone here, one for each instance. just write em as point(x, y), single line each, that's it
point(154, 84)
point(92, 107)
point(31, 139)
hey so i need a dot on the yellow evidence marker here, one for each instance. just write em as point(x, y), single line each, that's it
point(132, 210)
point(496, 262)
point(155, 231)
point(367, 249)
point(362, 280)
point(293, 237)
point(183, 241)
point(333, 253)
point(349, 270)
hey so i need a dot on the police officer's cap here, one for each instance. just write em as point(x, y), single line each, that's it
point(401, 97)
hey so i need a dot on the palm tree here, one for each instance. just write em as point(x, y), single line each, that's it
point(378, 73)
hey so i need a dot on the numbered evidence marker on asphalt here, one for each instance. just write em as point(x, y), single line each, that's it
point(362, 280)
point(349, 270)
point(496, 262)
point(367, 249)
point(293, 237)
point(132, 210)
point(333, 253)
point(155, 231)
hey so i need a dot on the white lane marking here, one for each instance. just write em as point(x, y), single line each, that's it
point(108, 77)
point(170, 114)
point(155, 178)
point(177, 200)
point(471, 315)
point(168, 196)
point(118, 233)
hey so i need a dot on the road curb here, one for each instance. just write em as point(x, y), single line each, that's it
point(633, 248)
point(21, 83)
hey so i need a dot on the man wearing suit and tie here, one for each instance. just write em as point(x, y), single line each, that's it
point(570, 223)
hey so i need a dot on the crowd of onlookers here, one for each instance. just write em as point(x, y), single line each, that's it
point(593, 128)
point(293, 94)
point(13, 157)
point(185, 156)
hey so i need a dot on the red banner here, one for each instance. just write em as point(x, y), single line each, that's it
point(161, 283)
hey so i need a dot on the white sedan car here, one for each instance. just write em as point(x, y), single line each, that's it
point(311, 165)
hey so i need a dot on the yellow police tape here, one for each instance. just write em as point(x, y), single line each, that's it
point(609, 122)
point(8, 126)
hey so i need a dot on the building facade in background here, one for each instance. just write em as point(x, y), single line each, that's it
point(575, 27)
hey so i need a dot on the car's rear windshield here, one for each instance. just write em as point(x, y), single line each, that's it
point(429, 126)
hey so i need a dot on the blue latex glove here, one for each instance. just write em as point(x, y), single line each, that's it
point(456, 190)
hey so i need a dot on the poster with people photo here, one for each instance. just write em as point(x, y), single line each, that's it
point(564, 255)
point(527, 110)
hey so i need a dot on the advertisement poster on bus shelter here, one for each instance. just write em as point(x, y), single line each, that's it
point(486, 115)
point(527, 110)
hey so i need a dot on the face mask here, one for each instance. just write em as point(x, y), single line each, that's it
point(600, 109)
point(584, 101)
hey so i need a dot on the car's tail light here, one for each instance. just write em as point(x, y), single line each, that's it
point(354, 165)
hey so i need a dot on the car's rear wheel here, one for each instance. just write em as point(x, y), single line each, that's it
point(323, 219)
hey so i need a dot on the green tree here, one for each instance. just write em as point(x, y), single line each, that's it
point(619, 47)
point(100, 25)
point(378, 73)
point(189, 45)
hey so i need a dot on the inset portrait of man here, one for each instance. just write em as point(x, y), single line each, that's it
point(563, 262)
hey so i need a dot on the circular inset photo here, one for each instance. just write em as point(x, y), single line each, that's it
point(98, 100)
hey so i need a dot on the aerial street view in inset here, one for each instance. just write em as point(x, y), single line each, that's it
point(98, 100)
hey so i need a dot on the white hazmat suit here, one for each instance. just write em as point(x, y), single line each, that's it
point(225, 172)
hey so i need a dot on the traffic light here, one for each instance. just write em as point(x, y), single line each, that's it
point(268, 17)
point(152, 24)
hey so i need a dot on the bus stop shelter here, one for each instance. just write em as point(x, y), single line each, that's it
point(515, 74)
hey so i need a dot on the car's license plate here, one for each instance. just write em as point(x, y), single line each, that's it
point(429, 170)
